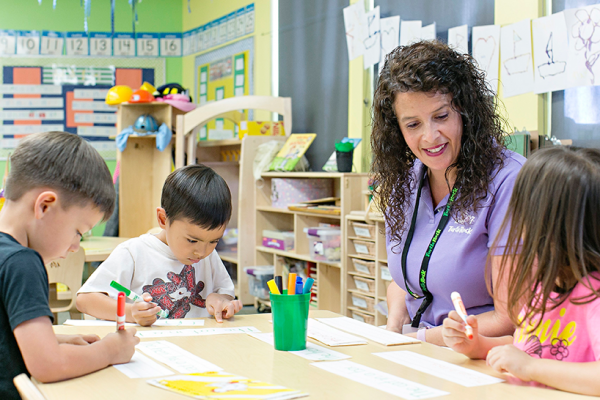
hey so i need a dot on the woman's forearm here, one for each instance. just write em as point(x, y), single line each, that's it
point(397, 311)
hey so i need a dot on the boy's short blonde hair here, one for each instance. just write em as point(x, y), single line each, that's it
point(64, 162)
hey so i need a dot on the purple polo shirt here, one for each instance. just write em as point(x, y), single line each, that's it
point(460, 255)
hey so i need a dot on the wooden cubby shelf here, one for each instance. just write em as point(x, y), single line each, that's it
point(329, 288)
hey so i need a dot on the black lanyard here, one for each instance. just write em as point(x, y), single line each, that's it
point(425, 263)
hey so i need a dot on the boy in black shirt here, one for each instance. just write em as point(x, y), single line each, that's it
point(58, 188)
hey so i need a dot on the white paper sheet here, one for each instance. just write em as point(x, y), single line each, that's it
point(372, 42)
point(330, 336)
point(355, 23)
point(410, 32)
point(486, 50)
point(97, 322)
point(583, 68)
point(516, 59)
point(175, 357)
point(428, 32)
point(380, 380)
point(550, 53)
point(441, 369)
point(179, 322)
point(141, 366)
point(458, 38)
point(390, 35)
point(387, 338)
point(195, 332)
point(313, 352)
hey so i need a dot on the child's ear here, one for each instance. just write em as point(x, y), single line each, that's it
point(44, 202)
point(161, 216)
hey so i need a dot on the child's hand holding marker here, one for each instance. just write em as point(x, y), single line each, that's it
point(460, 332)
point(143, 311)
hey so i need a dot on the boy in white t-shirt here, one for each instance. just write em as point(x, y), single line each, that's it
point(178, 269)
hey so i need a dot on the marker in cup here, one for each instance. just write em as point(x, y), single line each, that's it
point(460, 309)
point(135, 297)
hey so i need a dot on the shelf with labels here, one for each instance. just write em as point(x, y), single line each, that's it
point(365, 266)
point(325, 266)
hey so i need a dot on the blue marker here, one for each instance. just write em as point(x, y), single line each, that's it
point(308, 285)
point(299, 285)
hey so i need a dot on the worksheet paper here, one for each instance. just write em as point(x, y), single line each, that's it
point(438, 368)
point(313, 352)
point(387, 338)
point(141, 366)
point(175, 357)
point(380, 380)
point(330, 336)
point(195, 332)
point(160, 322)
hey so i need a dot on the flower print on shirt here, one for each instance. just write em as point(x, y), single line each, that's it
point(558, 348)
point(179, 294)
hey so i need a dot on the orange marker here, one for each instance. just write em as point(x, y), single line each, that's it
point(121, 311)
point(460, 309)
point(292, 283)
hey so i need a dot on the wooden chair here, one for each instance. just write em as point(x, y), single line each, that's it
point(190, 123)
point(69, 272)
point(27, 389)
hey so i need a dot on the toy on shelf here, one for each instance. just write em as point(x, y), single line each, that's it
point(146, 125)
point(118, 94)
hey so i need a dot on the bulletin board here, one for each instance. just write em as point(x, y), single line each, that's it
point(221, 74)
point(42, 94)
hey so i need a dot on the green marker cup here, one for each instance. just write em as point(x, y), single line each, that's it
point(135, 297)
point(290, 320)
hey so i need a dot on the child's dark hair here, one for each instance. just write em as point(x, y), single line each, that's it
point(198, 194)
point(64, 162)
point(554, 217)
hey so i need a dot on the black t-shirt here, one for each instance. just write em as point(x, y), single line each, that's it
point(23, 297)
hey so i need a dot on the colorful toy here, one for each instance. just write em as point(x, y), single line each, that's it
point(171, 88)
point(118, 94)
point(146, 123)
point(179, 101)
point(141, 96)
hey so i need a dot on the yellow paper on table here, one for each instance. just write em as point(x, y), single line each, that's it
point(221, 385)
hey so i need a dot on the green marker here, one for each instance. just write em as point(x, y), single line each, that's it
point(135, 297)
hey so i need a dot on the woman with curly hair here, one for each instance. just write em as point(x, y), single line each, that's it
point(444, 181)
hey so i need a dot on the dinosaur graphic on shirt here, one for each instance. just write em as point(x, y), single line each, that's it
point(179, 294)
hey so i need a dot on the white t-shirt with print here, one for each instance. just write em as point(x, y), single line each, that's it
point(147, 265)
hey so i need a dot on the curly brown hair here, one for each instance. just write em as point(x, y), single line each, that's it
point(433, 67)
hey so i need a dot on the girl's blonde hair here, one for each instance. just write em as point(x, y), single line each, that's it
point(554, 236)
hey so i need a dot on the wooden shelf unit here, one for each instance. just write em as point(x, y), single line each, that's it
point(330, 276)
point(378, 294)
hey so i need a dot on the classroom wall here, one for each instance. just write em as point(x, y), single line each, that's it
point(153, 16)
point(203, 11)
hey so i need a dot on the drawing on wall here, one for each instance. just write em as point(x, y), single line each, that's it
point(550, 53)
point(518, 63)
point(372, 42)
point(390, 34)
point(551, 67)
point(515, 52)
point(583, 26)
point(486, 41)
point(355, 24)
point(410, 32)
point(458, 38)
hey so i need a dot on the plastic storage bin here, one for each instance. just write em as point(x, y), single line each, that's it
point(364, 230)
point(278, 240)
point(363, 302)
point(364, 248)
point(324, 243)
point(364, 267)
point(257, 280)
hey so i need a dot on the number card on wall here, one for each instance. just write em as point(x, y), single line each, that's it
point(187, 43)
point(8, 42)
point(170, 44)
point(124, 44)
point(231, 26)
point(222, 30)
point(147, 44)
point(249, 19)
point(197, 40)
point(28, 42)
point(77, 44)
point(100, 44)
point(240, 29)
point(52, 43)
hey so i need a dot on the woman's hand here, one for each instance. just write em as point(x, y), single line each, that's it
point(397, 311)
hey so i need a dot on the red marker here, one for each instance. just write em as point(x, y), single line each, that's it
point(121, 311)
